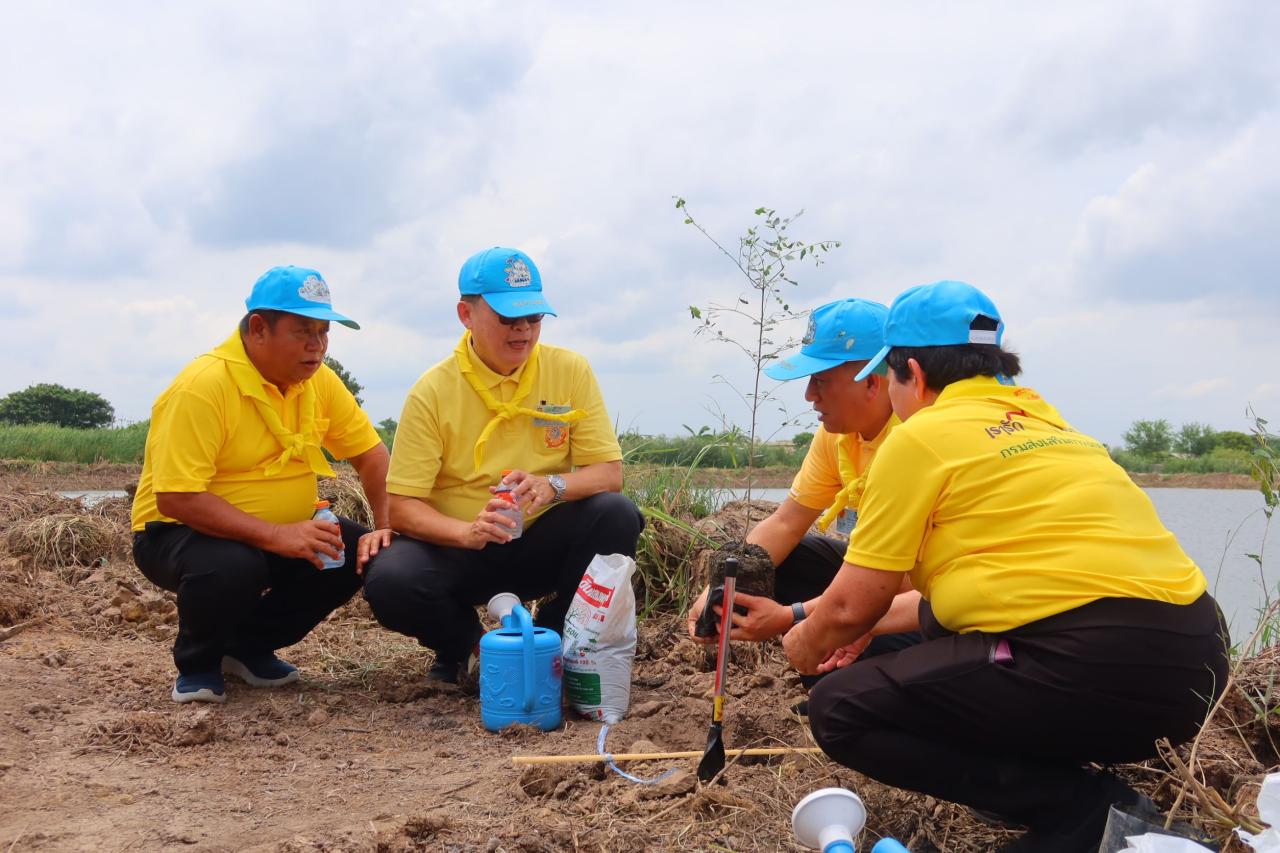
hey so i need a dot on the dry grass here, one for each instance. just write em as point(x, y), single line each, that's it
point(64, 539)
point(16, 507)
point(346, 496)
point(150, 732)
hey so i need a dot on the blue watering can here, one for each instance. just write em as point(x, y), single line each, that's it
point(520, 669)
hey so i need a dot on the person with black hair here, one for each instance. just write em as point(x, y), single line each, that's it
point(1063, 624)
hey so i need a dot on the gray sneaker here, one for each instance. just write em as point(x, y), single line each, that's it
point(262, 670)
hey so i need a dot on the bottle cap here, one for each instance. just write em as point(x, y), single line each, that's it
point(322, 504)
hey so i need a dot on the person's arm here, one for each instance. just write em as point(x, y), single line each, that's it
point(581, 483)
point(851, 607)
point(213, 516)
point(372, 468)
point(903, 616)
point(417, 518)
point(783, 529)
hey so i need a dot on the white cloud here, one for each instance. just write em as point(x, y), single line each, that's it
point(1105, 175)
point(1194, 390)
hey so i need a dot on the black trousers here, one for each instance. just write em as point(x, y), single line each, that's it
point(807, 571)
point(430, 591)
point(236, 599)
point(952, 718)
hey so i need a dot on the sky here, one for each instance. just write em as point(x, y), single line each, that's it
point(1099, 169)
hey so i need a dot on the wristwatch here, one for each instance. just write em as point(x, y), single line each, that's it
point(797, 613)
point(557, 483)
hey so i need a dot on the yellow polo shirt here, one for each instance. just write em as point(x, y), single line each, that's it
point(835, 468)
point(1003, 514)
point(207, 434)
point(433, 454)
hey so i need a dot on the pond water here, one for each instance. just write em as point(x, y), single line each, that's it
point(89, 497)
point(1217, 528)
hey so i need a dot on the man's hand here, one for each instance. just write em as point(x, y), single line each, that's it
point(534, 488)
point(489, 526)
point(695, 610)
point(845, 655)
point(370, 544)
point(307, 540)
point(764, 618)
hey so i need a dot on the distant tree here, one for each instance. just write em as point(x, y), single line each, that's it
point(388, 424)
point(1195, 439)
point(347, 379)
point(1149, 438)
point(802, 440)
point(1232, 440)
point(54, 404)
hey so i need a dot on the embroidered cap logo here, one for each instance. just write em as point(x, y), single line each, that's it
point(811, 332)
point(518, 273)
point(314, 289)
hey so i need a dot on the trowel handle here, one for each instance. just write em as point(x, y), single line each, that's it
point(726, 625)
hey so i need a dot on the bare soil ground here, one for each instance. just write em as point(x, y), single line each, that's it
point(364, 754)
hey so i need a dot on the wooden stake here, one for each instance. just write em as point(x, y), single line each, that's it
point(659, 756)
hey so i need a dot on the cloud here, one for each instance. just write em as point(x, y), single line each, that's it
point(1191, 391)
point(1108, 77)
point(1190, 227)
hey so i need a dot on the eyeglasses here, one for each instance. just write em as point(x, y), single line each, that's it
point(531, 319)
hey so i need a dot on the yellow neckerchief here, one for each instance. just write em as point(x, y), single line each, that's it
point(302, 444)
point(505, 411)
point(848, 453)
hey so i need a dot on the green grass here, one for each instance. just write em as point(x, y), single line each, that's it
point(1218, 461)
point(45, 442)
point(670, 502)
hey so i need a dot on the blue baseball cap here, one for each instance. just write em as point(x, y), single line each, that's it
point(508, 281)
point(295, 290)
point(846, 330)
point(937, 315)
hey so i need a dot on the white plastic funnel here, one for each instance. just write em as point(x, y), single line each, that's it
point(827, 816)
point(501, 605)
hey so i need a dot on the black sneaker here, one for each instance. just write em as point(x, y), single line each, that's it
point(447, 671)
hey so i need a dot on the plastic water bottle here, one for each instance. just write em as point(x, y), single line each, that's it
point(510, 508)
point(325, 514)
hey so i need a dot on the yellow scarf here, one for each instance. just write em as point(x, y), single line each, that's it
point(848, 455)
point(505, 411)
point(303, 444)
point(851, 494)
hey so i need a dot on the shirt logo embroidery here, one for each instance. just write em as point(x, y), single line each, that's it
point(518, 273)
point(314, 289)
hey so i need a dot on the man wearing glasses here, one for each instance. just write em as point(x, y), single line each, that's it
point(501, 410)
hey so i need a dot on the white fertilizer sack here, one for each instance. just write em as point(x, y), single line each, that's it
point(600, 640)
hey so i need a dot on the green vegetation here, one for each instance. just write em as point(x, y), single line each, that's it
point(46, 442)
point(54, 404)
point(670, 503)
point(347, 379)
point(1153, 446)
point(707, 449)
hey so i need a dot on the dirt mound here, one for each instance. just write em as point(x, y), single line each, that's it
point(365, 754)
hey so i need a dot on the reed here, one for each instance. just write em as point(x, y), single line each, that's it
point(46, 442)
